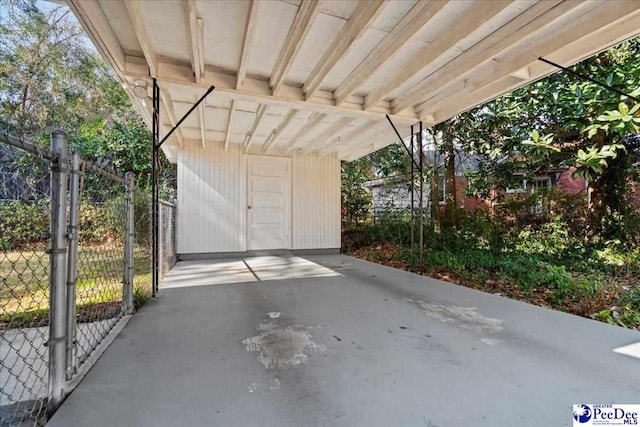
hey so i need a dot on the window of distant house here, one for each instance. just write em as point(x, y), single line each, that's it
point(538, 184)
point(541, 182)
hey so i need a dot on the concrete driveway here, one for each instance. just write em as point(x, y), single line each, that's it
point(340, 341)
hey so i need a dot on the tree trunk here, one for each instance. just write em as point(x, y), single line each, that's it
point(608, 201)
point(450, 212)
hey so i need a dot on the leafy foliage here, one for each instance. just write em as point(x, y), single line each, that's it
point(50, 77)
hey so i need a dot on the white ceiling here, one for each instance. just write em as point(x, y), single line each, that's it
point(321, 75)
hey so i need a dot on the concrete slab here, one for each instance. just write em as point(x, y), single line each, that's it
point(247, 269)
point(368, 346)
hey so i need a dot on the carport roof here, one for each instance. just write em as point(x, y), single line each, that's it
point(321, 75)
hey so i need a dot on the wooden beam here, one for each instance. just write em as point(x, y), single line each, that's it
point(203, 128)
point(610, 34)
point(165, 100)
point(249, 34)
point(366, 137)
point(524, 25)
point(481, 13)
point(196, 39)
point(314, 120)
point(271, 142)
point(262, 110)
point(228, 131)
point(90, 15)
point(135, 15)
point(361, 18)
point(596, 17)
point(326, 134)
point(408, 26)
point(348, 138)
point(180, 76)
point(299, 29)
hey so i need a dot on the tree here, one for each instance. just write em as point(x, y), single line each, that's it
point(563, 120)
point(356, 201)
point(50, 77)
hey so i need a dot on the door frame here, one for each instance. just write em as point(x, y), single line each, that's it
point(287, 203)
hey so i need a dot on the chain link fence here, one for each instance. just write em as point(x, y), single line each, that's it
point(24, 287)
point(100, 259)
point(76, 258)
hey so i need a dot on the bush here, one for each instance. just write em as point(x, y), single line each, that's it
point(23, 223)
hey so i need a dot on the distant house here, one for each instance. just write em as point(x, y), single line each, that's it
point(394, 192)
point(390, 193)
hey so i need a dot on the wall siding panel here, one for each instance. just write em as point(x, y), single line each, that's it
point(316, 202)
point(211, 217)
point(212, 200)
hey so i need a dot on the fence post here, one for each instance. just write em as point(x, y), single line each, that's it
point(129, 235)
point(72, 267)
point(58, 271)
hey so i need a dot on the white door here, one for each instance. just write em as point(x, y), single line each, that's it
point(268, 202)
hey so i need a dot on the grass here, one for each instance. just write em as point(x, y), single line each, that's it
point(24, 290)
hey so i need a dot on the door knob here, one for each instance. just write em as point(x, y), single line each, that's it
point(249, 207)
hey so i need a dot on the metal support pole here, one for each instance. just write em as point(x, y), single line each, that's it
point(590, 79)
point(58, 271)
point(72, 270)
point(154, 188)
point(412, 189)
point(129, 235)
point(161, 242)
point(421, 231)
point(400, 139)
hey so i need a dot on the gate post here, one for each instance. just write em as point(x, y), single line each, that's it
point(129, 235)
point(72, 267)
point(58, 271)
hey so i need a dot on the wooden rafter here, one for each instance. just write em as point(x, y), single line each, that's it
point(327, 134)
point(203, 128)
point(360, 140)
point(262, 110)
point(361, 18)
point(165, 99)
point(612, 21)
point(527, 23)
point(255, 90)
point(471, 21)
point(413, 21)
point(196, 39)
point(227, 133)
point(135, 15)
point(302, 22)
point(348, 139)
point(314, 120)
point(249, 34)
point(548, 44)
point(275, 135)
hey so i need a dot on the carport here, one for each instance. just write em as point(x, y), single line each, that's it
point(310, 337)
point(341, 341)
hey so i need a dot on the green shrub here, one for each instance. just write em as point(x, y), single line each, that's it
point(23, 223)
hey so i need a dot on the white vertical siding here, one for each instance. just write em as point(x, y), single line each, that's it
point(212, 200)
point(316, 202)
